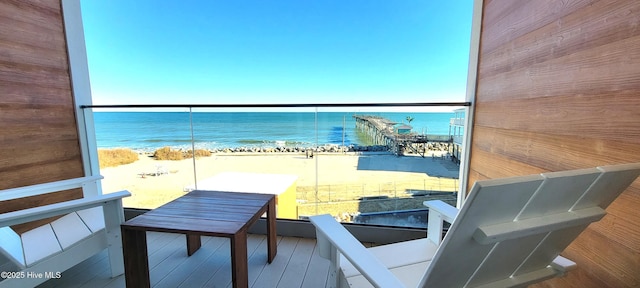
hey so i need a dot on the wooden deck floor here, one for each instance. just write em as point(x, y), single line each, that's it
point(297, 264)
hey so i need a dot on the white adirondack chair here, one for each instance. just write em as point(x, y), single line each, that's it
point(89, 225)
point(509, 232)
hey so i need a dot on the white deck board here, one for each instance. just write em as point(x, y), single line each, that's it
point(197, 260)
point(271, 274)
point(317, 271)
point(296, 265)
point(222, 277)
point(162, 272)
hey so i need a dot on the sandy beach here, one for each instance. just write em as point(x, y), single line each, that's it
point(361, 174)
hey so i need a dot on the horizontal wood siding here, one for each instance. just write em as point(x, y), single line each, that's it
point(559, 88)
point(39, 137)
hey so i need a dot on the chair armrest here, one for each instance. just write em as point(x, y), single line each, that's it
point(333, 237)
point(447, 211)
point(44, 188)
point(438, 213)
point(563, 265)
point(46, 211)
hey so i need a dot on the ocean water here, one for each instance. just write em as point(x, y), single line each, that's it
point(148, 131)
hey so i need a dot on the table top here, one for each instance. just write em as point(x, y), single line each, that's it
point(212, 213)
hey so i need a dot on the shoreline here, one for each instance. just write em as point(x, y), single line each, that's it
point(328, 148)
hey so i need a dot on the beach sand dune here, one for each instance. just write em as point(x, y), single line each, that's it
point(154, 182)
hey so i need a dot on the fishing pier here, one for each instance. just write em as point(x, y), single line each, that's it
point(396, 136)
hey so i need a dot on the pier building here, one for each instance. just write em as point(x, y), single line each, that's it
point(397, 138)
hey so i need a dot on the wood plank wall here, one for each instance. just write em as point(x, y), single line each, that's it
point(38, 134)
point(558, 88)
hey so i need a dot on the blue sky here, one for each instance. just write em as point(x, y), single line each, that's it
point(295, 51)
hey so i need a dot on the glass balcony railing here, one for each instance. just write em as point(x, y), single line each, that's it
point(367, 164)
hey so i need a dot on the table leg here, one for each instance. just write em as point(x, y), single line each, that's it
point(239, 266)
point(272, 249)
point(136, 263)
point(193, 243)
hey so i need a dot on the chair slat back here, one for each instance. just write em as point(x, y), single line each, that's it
point(532, 218)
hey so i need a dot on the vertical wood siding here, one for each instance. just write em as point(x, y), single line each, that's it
point(38, 134)
point(559, 88)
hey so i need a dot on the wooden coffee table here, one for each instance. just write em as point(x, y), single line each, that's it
point(209, 213)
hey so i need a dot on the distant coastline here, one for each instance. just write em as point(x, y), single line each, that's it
point(430, 149)
point(147, 131)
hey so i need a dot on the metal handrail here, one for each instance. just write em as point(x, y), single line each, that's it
point(422, 104)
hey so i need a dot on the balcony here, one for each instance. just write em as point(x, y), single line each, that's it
point(297, 263)
point(543, 130)
point(378, 183)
